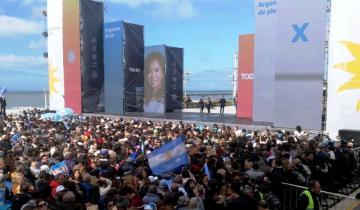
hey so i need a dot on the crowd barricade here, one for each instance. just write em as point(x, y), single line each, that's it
point(328, 200)
point(336, 188)
point(357, 153)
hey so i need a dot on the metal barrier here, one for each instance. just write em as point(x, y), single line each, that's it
point(328, 200)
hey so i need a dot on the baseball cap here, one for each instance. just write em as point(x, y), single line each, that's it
point(60, 188)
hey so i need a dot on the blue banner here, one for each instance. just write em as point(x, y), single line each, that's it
point(114, 67)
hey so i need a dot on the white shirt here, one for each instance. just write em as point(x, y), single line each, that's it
point(105, 190)
point(154, 106)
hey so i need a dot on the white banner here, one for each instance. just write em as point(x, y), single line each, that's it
point(55, 54)
point(343, 105)
point(264, 59)
point(299, 69)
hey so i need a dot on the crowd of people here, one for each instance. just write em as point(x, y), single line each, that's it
point(107, 165)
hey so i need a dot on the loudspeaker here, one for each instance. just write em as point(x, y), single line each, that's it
point(346, 134)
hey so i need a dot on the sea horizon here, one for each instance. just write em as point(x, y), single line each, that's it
point(36, 98)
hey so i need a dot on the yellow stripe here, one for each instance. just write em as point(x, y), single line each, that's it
point(354, 205)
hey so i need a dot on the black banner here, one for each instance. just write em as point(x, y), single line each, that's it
point(134, 67)
point(91, 46)
point(174, 78)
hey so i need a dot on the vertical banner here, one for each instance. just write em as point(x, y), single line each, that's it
point(134, 67)
point(174, 79)
point(264, 59)
point(113, 67)
point(300, 58)
point(343, 104)
point(154, 79)
point(245, 76)
point(92, 64)
point(55, 54)
point(71, 53)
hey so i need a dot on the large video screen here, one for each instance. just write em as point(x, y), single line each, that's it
point(154, 79)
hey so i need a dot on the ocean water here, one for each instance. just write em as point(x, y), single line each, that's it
point(25, 99)
point(37, 98)
point(213, 94)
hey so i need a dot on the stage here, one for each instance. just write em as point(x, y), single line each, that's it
point(197, 118)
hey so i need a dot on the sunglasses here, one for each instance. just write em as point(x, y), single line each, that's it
point(110, 205)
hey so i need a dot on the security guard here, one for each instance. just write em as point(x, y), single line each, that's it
point(309, 199)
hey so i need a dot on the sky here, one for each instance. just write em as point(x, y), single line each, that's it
point(208, 31)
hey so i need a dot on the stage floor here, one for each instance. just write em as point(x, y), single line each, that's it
point(198, 118)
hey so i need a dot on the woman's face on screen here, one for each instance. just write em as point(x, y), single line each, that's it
point(155, 74)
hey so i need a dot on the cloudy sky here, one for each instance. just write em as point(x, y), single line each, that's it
point(206, 29)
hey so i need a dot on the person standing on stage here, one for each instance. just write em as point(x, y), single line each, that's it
point(222, 104)
point(208, 104)
point(1, 102)
point(235, 101)
point(187, 101)
point(202, 104)
point(3, 106)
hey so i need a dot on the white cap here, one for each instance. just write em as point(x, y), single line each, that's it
point(60, 188)
point(44, 168)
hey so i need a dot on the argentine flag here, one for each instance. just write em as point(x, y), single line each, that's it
point(3, 91)
point(168, 157)
point(59, 168)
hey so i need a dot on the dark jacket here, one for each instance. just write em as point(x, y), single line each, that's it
point(303, 202)
point(19, 200)
point(150, 197)
point(201, 103)
point(222, 102)
point(2, 102)
point(244, 202)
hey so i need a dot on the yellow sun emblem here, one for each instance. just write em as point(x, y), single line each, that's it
point(352, 67)
point(53, 79)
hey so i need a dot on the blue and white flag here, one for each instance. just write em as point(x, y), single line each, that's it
point(206, 170)
point(47, 116)
point(3, 91)
point(66, 125)
point(15, 139)
point(65, 112)
point(59, 168)
point(52, 117)
point(168, 157)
